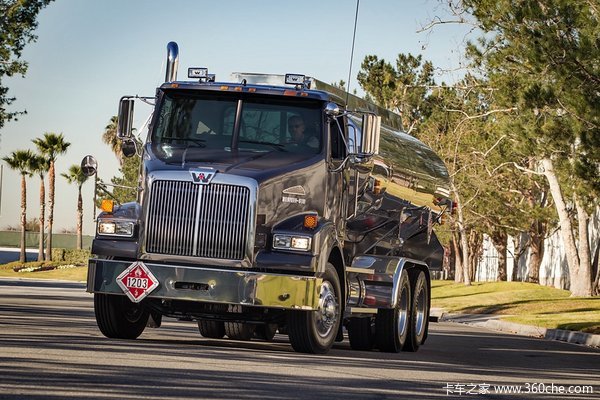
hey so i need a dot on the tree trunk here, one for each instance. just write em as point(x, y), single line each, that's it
point(566, 228)
point(517, 256)
point(537, 230)
point(584, 280)
point(499, 239)
point(51, 181)
point(596, 267)
point(536, 246)
point(475, 251)
point(22, 257)
point(458, 272)
point(463, 237)
point(79, 219)
point(42, 219)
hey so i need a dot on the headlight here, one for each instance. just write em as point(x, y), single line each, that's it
point(116, 228)
point(291, 242)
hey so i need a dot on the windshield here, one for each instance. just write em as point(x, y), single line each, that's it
point(266, 124)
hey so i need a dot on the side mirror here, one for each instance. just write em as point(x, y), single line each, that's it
point(332, 110)
point(125, 124)
point(89, 165)
point(371, 131)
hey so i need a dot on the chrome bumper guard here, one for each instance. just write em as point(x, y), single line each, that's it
point(203, 284)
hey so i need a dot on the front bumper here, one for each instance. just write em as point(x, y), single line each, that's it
point(204, 284)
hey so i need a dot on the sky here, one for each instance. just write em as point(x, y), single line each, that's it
point(90, 53)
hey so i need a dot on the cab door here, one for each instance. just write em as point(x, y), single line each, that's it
point(338, 180)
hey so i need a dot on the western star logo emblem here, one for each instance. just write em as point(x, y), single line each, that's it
point(202, 176)
point(137, 281)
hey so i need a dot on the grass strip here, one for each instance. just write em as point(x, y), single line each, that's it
point(520, 302)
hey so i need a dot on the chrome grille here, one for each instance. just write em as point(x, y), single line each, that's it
point(186, 219)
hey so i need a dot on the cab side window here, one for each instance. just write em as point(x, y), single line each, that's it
point(337, 131)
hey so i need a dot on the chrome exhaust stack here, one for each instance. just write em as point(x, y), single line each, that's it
point(172, 62)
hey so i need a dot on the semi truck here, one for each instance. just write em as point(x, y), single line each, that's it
point(250, 228)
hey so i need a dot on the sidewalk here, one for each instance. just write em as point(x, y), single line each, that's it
point(493, 322)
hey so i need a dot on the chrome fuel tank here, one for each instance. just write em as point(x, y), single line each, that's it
point(400, 200)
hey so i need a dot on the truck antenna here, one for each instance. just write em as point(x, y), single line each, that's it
point(352, 52)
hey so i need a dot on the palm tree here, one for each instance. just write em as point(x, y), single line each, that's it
point(110, 138)
point(19, 160)
point(40, 165)
point(51, 146)
point(77, 177)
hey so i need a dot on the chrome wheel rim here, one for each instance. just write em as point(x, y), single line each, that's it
point(327, 313)
point(420, 314)
point(402, 313)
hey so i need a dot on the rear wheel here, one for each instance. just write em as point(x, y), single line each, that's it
point(419, 313)
point(239, 330)
point(211, 329)
point(360, 333)
point(391, 325)
point(119, 318)
point(315, 331)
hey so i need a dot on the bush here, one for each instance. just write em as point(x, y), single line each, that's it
point(71, 256)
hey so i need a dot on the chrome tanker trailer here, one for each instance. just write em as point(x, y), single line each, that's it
point(271, 203)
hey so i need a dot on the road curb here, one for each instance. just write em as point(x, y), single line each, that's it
point(493, 322)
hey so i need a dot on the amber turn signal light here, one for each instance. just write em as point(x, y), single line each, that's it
point(311, 221)
point(107, 205)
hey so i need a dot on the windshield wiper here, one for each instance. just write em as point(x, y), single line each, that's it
point(276, 146)
point(199, 142)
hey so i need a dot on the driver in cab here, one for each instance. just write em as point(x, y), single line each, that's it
point(299, 137)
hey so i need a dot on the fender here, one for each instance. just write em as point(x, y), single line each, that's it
point(374, 279)
point(119, 247)
point(325, 240)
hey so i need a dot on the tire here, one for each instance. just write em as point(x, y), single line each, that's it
point(392, 325)
point(315, 331)
point(119, 318)
point(360, 334)
point(239, 330)
point(419, 311)
point(211, 329)
point(265, 332)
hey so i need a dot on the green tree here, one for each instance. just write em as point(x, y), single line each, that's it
point(542, 57)
point(51, 146)
point(110, 138)
point(127, 183)
point(404, 89)
point(40, 165)
point(77, 177)
point(20, 161)
point(17, 23)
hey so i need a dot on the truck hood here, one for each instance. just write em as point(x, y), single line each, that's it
point(260, 166)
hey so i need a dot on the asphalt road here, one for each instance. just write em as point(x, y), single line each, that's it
point(50, 348)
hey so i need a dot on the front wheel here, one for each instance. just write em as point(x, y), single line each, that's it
point(315, 331)
point(119, 318)
point(391, 325)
